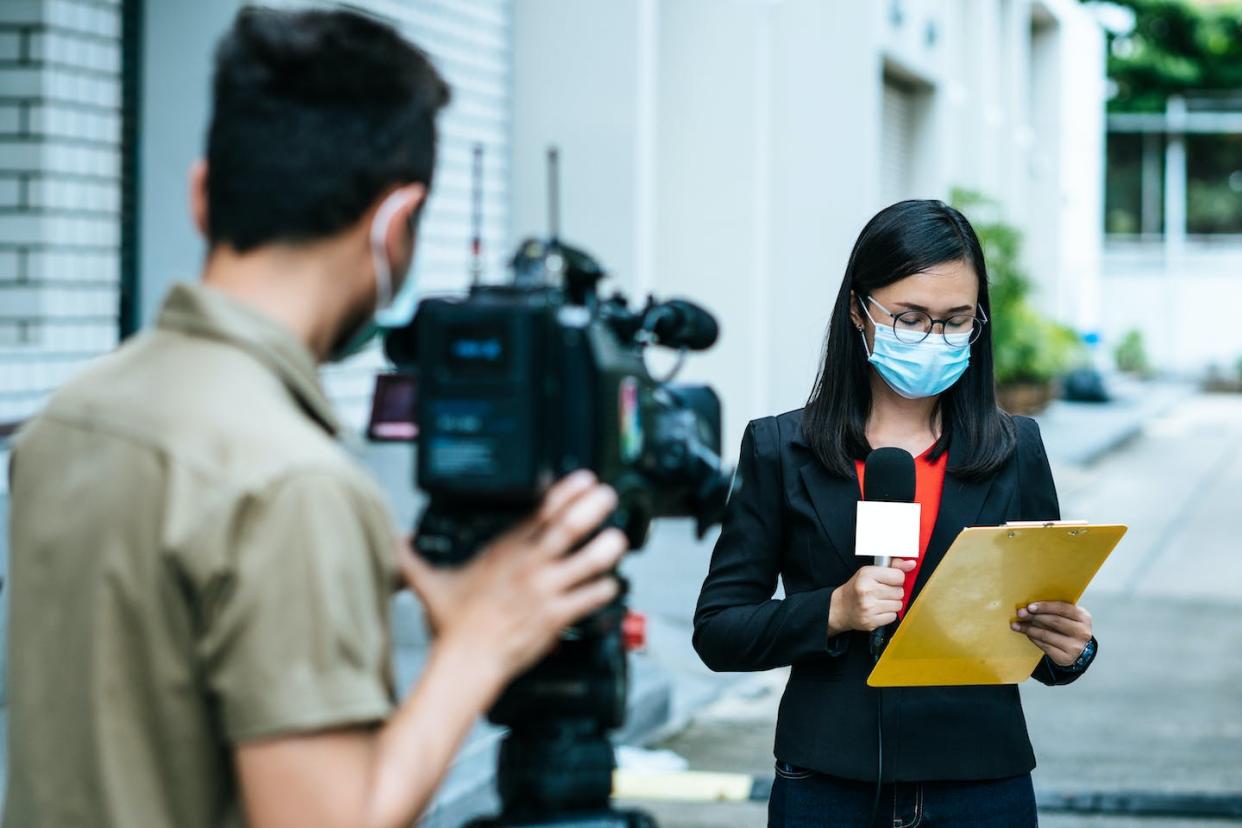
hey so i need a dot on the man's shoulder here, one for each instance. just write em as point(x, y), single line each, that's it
point(198, 407)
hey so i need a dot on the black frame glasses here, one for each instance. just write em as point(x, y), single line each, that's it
point(913, 326)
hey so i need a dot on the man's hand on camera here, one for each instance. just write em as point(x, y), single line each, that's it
point(492, 618)
point(512, 600)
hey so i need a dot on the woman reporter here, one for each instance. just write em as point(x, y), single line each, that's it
point(908, 363)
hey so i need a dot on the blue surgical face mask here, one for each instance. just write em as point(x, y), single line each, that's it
point(921, 369)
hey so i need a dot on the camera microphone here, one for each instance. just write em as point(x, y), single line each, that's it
point(680, 323)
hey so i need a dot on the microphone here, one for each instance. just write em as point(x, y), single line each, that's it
point(680, 323)
point(888, 517)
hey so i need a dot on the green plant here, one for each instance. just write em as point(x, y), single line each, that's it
point(1027, 347)
point(1131, 353)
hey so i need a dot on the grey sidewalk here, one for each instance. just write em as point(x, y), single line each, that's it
point(1078, 434)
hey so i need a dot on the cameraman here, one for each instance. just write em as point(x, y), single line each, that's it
point(200, 574)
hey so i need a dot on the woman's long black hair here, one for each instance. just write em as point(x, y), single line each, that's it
point(907, 238)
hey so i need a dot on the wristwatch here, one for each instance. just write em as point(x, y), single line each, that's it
point(1080, 664)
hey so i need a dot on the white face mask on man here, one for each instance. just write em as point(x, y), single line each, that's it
point(385, 292)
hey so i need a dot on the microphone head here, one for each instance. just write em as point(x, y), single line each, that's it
point(889, 476)
point(687, 325)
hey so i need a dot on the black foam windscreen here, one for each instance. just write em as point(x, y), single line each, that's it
point(683, 324)
point(889, 476)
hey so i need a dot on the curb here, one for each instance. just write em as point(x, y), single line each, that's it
point(1122, 421)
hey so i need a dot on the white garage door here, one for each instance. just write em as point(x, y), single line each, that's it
point(896, 144)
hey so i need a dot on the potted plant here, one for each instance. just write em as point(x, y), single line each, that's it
point(1029, 350)
point(1130, 354)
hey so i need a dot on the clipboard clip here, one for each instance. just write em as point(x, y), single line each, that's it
point(1042, 524)
point(1078, 526)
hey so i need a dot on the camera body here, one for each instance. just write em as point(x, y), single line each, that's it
point(521, 384)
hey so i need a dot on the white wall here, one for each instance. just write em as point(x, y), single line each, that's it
point(1169, 301)
point(826, 92)
point(1075, 285)
point(702, 147)
point(731, 151)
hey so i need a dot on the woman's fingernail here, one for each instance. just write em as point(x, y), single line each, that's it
point(1034, 607)
point(1016, 627)
point(1022, 613)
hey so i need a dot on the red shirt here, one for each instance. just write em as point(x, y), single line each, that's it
point(928, 485)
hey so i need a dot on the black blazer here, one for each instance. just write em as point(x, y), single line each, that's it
point(793, 518)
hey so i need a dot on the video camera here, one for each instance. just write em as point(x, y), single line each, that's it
point(518, 385)
point(521, 384)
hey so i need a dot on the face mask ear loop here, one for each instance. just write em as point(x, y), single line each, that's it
point(862, 331)
point(379, 250)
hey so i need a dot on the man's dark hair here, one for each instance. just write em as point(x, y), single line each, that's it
point(315, 114)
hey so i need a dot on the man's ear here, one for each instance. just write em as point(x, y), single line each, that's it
point(198, 196)
point(397, 242)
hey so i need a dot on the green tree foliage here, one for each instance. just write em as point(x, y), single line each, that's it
point(1176, 47)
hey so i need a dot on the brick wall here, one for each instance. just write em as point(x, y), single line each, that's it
point(60, 161)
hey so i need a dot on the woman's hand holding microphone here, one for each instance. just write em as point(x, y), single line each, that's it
point(870, 599)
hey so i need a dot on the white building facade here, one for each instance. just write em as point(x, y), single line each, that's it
point(727, 150)
point(732, 151)
point(1162, 276)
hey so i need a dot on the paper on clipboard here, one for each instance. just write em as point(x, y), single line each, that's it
point(957, 631)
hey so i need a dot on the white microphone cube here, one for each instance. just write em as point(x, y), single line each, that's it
point(887, 530)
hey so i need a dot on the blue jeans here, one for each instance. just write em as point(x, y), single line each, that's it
point(805, 799)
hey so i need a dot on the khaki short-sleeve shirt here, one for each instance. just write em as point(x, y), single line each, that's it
point(195, 562)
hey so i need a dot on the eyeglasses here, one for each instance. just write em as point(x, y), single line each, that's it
point(912, 327)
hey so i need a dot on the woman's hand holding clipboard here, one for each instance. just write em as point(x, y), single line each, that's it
point(959, 629)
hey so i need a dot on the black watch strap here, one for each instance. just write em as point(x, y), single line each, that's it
point(1083, 660)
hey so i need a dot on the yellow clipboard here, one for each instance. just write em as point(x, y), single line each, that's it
point(957, 631)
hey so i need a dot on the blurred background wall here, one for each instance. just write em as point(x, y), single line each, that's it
point(729, 151)
point(732, 151)
point(1173, 214)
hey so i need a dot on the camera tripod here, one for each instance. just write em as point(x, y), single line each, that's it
point(556, 763)
point(558, 781)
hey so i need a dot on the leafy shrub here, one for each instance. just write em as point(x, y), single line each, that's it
point(1027, 346)
point(1131, 353)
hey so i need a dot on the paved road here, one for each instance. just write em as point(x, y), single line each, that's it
point(1161, 709)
